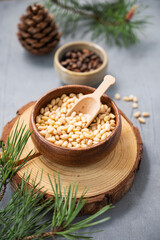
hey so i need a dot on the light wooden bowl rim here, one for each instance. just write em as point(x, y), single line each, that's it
point(86, 44)
point(32, 121)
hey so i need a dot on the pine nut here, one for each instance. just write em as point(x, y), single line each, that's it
point(64, 136)
point(42, 127)
point(135, 99)
point(107, 127)
point(104, 136)
point(117, 96)
point(131, 96)
point(106, 118)
point(46, 109)
point(65, 144)
point(49, 106)
point(127, 99)
point(112, 115)
point(38, 119)
point(45, 118)
point(47, 113)
point(57, 137)
point(137, 114)
point(145, 114)
point(51, 139)
point(63, 96)
point(42, 110)
point(43, 132)
point(89, 142)
point(53, 102)
point(135, 105)
point(141, 120)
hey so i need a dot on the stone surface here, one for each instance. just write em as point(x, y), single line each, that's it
point(24, 77)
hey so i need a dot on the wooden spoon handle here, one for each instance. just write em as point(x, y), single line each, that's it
point(107, 82)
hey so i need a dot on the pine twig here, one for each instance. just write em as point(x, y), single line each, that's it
point(110, 20)
point(83, 13)
point(3, 191)
point(43, 235)
point(64, 6)
point(23, 216)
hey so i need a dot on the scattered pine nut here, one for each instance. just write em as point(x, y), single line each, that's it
point(131, 96)
point(135, 99)
point(135, 105)
point(141, 120)
point(137, 114)
point(117, 96)
point(127, 99)
point(145, 114)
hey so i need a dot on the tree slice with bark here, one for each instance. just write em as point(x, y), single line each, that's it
point(107, 180)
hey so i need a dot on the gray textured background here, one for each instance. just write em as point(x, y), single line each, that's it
point(24, 77)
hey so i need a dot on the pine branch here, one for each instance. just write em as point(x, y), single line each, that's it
point(111, 21)
point(23, 216)
point(10, 155)
point(77, 11)
point(43, 235)
point(25, 211)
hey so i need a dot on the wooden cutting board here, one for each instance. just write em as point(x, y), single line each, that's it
point(108, 180)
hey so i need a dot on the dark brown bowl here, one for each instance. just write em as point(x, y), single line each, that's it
point(69, 156)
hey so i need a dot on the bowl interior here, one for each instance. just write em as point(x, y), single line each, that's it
point(45, 99)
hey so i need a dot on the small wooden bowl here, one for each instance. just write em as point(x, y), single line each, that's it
point(84, 78)
point(69, 156)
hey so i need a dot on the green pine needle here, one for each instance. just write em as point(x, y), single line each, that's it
point(24, 216)
point(24, 212)
point(102, 19)
point(12, 152)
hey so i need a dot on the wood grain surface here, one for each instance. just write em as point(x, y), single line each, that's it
point(107, 179)
point(24, 77)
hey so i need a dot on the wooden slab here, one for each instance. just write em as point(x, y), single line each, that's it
point(108, 180)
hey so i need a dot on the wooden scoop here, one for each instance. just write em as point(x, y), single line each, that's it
point(90, 103)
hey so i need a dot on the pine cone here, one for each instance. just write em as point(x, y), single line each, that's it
point(37, 31)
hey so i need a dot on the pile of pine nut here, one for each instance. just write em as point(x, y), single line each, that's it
point(54, 125)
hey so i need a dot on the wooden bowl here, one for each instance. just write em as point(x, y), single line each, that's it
point(69, 156)
point(84, 78)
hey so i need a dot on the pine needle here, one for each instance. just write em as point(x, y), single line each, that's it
point(24, 216)
point(12, 152)
point(117, 22)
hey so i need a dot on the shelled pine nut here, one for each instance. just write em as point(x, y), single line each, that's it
point(145, 114)
point(117, 96)
point(137, 114)
point(141, 120)
point(70, 132)
point(135, 105)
